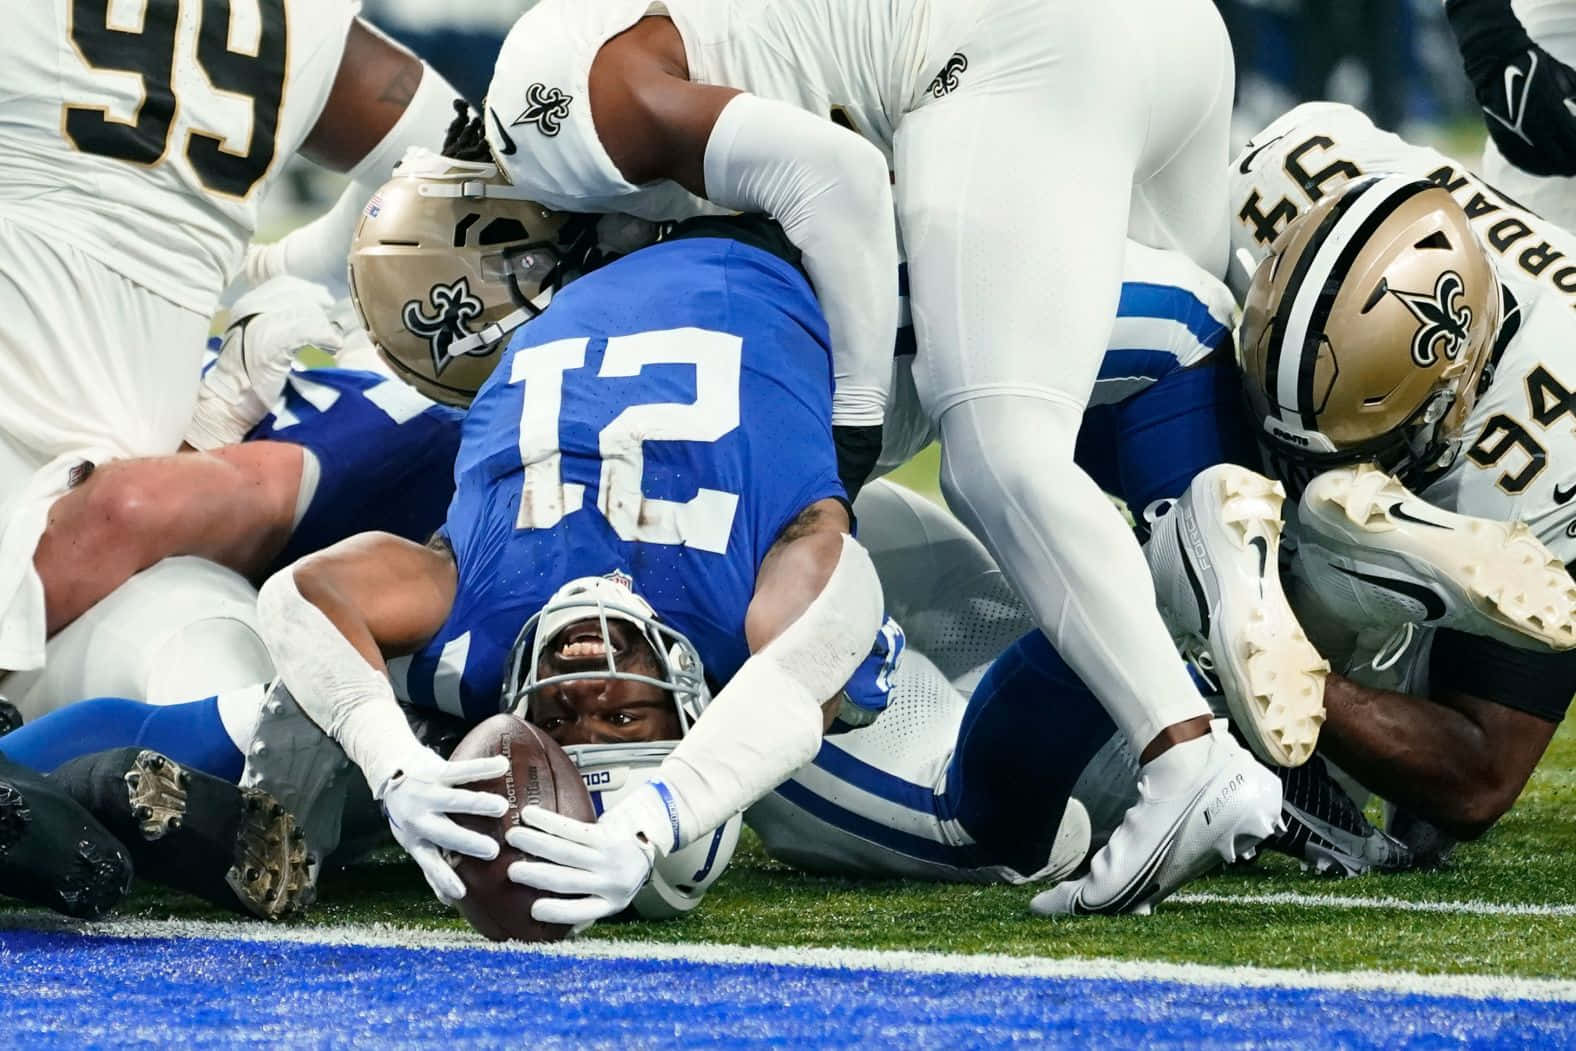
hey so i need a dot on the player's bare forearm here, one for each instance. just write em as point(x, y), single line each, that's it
point(386, 595)
point(793, 573)
point(1457, 762)
point(234, 506)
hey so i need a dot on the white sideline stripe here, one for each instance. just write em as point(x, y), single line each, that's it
point(1335, 901)
point(1470, 986)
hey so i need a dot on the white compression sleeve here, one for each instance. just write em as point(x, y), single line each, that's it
point(766, 723)
point(351, 700)
point(831, 192)
point(318, 250)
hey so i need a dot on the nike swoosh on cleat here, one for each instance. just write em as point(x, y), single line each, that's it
point(1399, 511)
point(508, 141)
point(1262, 546)
point(1563, 496)
point(1143, 884)
point(1433, 606)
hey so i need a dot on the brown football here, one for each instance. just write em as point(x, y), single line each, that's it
point(539, 773)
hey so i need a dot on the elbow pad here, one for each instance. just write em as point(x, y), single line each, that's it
point(831, 192)
point(766, 723)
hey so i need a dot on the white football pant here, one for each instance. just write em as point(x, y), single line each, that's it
point(183, 629)
point(1073, 126)
point(95, 367)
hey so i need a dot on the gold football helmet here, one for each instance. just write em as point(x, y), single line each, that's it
point(447, 260)
point(1366, 331)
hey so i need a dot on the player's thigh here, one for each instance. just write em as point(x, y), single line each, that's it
point(181, 629)
point(93, 361)
point(1013, 195)
point(1180, 193)
point(234, 505)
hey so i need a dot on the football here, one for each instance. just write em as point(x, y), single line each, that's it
point(540, 773)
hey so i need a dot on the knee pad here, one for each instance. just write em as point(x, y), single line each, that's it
point(182, 629)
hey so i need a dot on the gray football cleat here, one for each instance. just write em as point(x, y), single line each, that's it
point(1375, 554)
point(1327, 832)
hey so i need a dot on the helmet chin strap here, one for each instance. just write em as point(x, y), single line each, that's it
point(494, 331)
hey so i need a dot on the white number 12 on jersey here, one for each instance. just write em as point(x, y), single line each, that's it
point(704, 521)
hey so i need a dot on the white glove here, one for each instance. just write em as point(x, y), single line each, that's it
point(418, 801)
point(605, 862)
point(268, 328)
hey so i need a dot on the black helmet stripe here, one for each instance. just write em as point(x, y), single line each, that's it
point(1315, 281)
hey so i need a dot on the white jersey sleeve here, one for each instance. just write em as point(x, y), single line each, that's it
point(146, 134)
point(539, 122)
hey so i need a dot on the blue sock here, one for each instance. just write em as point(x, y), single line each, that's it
point(1030, 729)
point(191, 734)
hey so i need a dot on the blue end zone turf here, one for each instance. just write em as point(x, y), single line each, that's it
point(66, 990)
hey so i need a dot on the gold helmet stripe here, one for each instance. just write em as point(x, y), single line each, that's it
point(1310, 293)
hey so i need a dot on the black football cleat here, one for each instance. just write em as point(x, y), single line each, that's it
point(1327, 832)
point(53, 852)
point(10, 717)
point(234, 847)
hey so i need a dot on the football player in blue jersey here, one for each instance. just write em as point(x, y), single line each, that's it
point(666, 422)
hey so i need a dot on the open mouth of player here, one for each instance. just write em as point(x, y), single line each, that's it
point(583, 642)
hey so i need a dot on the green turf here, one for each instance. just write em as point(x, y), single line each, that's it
point(1530, 858)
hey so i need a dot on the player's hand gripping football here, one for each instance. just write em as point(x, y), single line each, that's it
point(604, 864)
point(419, 800)
point(268, 327)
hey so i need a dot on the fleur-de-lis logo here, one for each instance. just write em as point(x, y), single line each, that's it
point(947, 80)
point(1444, 324)
point(453, 306)
point(545, 107)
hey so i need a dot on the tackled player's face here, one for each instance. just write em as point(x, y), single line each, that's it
point(602, 710)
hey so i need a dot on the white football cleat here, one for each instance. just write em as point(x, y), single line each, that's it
point(1219, 815)
point(1215, 556)
point(1376, 554)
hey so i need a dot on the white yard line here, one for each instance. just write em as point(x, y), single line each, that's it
point(385, 935)
point(1336, 901)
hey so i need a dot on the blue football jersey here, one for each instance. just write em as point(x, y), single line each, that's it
point(385, 455)
point(663, 420)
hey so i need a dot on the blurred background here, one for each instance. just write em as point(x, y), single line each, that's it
point(1395, 59)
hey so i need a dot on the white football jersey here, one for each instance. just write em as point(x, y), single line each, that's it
point(145, 132)
point(1519, 452)
point(869, 61)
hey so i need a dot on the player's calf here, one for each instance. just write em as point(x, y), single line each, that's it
point(235, 847)
point(53, 852)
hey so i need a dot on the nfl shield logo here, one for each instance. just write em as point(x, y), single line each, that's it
point(622, 579)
